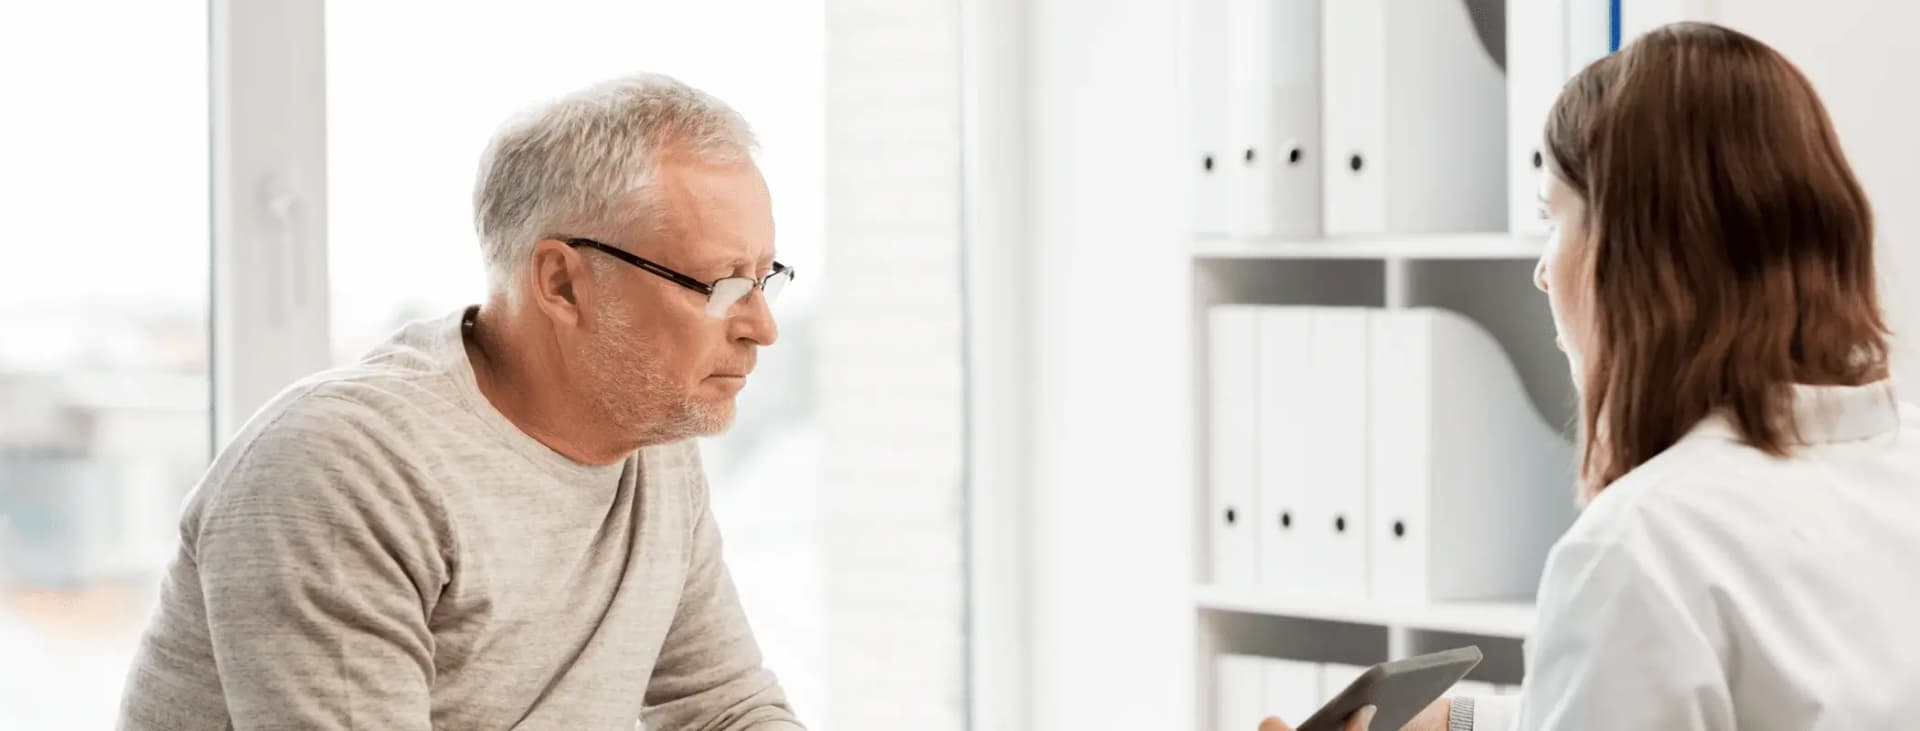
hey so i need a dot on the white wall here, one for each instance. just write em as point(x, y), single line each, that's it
point(1113, 623)
point(1861, 56)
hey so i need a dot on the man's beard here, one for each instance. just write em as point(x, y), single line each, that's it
point(635, 395)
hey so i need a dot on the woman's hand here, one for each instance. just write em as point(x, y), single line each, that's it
point(1356, 722)
point(1434, 718)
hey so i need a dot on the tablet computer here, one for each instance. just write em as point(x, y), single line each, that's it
point(1400, 690)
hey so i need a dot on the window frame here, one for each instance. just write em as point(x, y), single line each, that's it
point(268, 322)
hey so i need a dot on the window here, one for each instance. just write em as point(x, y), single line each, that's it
point(103, 338)
point(839, 488)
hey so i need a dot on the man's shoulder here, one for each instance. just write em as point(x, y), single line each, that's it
point(348, 436)
point(358, 403)
point(406, 381)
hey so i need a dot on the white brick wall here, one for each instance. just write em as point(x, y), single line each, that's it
point(890, 375)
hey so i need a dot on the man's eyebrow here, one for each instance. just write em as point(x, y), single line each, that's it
point(733, 264)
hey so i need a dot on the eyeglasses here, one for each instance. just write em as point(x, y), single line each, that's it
point(722, 294)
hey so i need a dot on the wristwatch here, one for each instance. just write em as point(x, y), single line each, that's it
point(1460, 716)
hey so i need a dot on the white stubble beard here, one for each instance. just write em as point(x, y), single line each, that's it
point(634, 394)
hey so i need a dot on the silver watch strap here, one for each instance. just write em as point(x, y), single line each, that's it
point(1460, 718)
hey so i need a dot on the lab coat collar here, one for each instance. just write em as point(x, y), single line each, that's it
point(1831, 414)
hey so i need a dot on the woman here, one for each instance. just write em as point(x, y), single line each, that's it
point(1749, 554)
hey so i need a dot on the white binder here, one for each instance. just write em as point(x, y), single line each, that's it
point(1334, 499)
point(1207, 159)
point(1274, 117)
point(1589, 32)
point(1548, 41)
point(1470, 485)
point(1292, 690)
point(1536, 70)
point(1238, 682)
point(1413, 120)
point(1640, 16)
point(1284, 453)
point(1233, 383)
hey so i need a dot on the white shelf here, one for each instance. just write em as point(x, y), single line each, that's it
point(1489, 246)
point(1491, 618)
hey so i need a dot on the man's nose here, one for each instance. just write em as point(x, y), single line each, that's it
point(753, 320)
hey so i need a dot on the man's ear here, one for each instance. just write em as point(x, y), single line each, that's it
point(557, 279)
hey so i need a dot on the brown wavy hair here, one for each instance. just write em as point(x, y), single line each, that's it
point(1729, 247)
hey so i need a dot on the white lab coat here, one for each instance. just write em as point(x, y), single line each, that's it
point(1718, 588)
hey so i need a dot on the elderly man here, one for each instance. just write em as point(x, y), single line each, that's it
point(498, 519)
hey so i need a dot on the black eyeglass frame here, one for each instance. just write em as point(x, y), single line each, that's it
point(670, 275)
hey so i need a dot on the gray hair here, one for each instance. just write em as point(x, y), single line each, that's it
point(583, 164)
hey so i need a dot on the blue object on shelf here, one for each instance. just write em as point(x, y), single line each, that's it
point(1613, 26)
